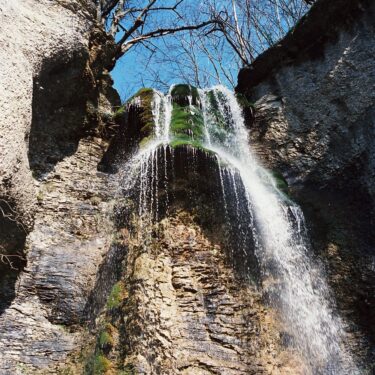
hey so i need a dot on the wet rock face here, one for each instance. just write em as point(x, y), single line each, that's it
point(315, 123)
point(187, 300)
point(181, 309)
point(186, 304)
point(195, 181)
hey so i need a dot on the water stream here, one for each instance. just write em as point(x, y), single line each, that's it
point(292, 281)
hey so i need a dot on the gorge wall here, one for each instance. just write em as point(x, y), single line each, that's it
point(84, 296)
point(314, 123)
point(53, 226)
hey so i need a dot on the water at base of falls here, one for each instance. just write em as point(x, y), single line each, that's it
point(291, 281)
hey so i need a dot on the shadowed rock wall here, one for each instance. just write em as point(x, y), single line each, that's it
point(179, 306)
point(315, 123)
point(55, 96)
point(186, 302)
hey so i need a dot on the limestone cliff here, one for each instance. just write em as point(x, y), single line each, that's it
point(54, 100)
point(95, 291)
point(314, 122)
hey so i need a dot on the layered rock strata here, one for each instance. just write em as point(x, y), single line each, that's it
point(314, 122)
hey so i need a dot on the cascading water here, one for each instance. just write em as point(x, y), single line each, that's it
point(295, 285)
point(292, 282)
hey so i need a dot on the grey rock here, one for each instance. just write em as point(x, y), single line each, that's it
point(315, 123)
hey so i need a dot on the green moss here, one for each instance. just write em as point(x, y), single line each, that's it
point(101, 364)
point(143, 92)
point(146, 116)
point(212, 99)
point(281, 182)
point(220, 131)
point(116, 296)
point(182, 91)
point(178, 142)
point(106, 340)
point(119, 112)
point(145, 95)
point(145, 140)
point(215, 110)
point(244, 102)
point(188, 122)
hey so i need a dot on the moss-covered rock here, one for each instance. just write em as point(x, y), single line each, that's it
point(220, 130)
point(244, 102)
point(98, 364)
point(101, 365)
point(180, 94)
point(106, 340)
point(187, 122)
point(142, 100)
point(116, 296)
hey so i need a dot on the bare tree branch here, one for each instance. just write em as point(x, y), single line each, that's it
point(213, 39)
point(158, 33)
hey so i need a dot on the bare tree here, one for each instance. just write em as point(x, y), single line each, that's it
point(199, 42)
point(251, 26)
point(242, 30)
point(135, 22)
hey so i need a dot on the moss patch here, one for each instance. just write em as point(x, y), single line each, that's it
point(97, 364)
point(106, 340)
point(187, 123)
point(143, 92)
point(146, 116)
point(116, 296)
point(101, 365)
point(141, 103)
point(180, 142)
point(244, 102)
point(220, 130)
point(181, 92)
point(119, 113)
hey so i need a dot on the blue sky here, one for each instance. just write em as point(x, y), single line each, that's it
point(170, 64)
point(131, 73)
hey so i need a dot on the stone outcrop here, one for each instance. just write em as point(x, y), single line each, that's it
point(92, 291)
point(182, 305)
point(56, 104)
point(32, 34)
point(69, 241)
point(314, 122)
point(189, 314)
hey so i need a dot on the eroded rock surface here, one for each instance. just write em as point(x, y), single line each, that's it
point(32, 32)
point(51, 141)
point(314, 123)
point(70, 238)
point(183, 310)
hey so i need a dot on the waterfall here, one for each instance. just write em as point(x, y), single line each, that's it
point(296, 285)
point(292, 281)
